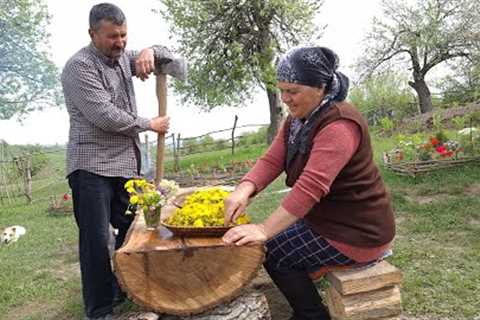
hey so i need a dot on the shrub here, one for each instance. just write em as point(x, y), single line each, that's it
point(387, 125)
point(384, 95)
point(39, 161)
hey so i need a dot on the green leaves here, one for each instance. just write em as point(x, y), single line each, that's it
point(231, 45)
point(383, 95)
point(28, 79)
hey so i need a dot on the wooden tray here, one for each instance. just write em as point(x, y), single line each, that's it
point(194, 231)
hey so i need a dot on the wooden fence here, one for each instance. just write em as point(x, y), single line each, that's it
point(177, 147)
point(15, 175)
point(16, 169)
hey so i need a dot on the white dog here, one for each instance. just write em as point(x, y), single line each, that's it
point(11, 234)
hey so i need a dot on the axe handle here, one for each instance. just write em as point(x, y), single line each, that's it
point(161, 89)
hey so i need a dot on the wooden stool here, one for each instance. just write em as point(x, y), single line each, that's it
point(368, 293)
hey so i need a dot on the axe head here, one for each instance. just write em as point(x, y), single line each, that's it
point(166, 63)
point(176, 68)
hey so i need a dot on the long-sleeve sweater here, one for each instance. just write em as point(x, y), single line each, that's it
point(332, 148)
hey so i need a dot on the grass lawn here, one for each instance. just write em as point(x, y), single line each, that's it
point(437, 245)
point(204, 162)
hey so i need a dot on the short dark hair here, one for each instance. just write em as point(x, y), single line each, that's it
point(105, 11)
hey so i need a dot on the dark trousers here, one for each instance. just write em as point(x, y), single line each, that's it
point(97, 202)
point(291, 255)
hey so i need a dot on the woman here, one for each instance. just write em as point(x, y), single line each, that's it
point(338, 211)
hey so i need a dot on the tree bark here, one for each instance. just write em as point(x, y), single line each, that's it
point(424, 96)
point(276, 115)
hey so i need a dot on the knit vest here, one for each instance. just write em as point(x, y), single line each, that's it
point(357, 210)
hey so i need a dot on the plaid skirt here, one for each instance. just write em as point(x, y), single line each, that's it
point(300, 248)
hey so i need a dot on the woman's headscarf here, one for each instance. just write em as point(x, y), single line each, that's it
point(314, 67)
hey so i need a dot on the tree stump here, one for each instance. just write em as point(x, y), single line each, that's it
point(182, 275)
point(250, 305)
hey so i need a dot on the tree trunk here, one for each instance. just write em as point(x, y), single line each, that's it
point(276, 115)
point(424, 96)
point(179, 275)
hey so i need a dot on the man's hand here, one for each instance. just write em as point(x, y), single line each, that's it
point(245, 234)
point(160, 124)
point(237, 201)
point(145, 63)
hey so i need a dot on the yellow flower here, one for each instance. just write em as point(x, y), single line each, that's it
point(141, 183)
point(198, 223)
point(129, 184)
point(145, 194)
point(133, 200)
point(243, 219)
point(203, 208)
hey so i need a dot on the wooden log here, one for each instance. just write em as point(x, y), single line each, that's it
point(250, 305)
point(353, 281)
point(182, 276)
point(377, 304)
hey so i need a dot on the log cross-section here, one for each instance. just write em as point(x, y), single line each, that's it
point(183, 275)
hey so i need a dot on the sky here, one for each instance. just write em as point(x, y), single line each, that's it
point(347, 22)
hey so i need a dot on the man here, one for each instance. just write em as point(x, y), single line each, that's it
point(103, 149)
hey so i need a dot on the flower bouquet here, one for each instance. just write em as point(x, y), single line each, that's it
point(148, 199)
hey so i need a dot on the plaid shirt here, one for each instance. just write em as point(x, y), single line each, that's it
point(104, 125)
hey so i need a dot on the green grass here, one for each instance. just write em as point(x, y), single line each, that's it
point(437, 245)
point(206, 161)
point(438, 241)
point(40, 272)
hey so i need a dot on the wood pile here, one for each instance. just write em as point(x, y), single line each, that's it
point(371, 293)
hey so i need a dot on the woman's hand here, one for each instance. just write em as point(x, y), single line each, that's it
point(278, 221)
point(145, 63)
point(237, 201)
point(244, 234)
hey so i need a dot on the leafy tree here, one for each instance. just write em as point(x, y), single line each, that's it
point(232, 46)
point(383, 95)
point(28, 79)
point(463, 86)
point(422, 36)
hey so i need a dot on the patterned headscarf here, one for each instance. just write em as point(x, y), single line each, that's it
point(314, 67)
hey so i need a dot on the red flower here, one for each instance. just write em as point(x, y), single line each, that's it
point(434, 141)
point(66, 197)
point(441, 149)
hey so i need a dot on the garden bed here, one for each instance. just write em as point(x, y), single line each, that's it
point(414, 168)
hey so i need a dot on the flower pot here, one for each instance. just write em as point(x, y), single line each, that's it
point(152, 218)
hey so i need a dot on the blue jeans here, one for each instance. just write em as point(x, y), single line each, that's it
point(97, 202)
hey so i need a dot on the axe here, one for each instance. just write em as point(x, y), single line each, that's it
point(176, 68)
